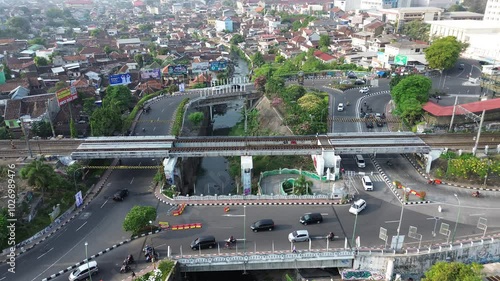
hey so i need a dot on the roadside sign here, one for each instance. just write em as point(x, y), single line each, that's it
point(401, 60)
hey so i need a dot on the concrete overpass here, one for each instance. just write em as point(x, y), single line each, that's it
point(170, 146)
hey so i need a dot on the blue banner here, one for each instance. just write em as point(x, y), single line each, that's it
point(119, 79)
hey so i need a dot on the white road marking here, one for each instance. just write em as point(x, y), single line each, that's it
point(104, 203)
point(45, 253)
point(154, 128)
point(158, 119)
point(391, 221)
point(324, 214)
point(162, 109)
point(78, 244)
point(132, 179)
point(81, 226)
point(476, 215)
point(2, 278)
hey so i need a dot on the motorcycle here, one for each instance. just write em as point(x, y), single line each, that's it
point(231, 240)
point(330, 236)
point(476, 194)
point(129, 260)
point(125, 268)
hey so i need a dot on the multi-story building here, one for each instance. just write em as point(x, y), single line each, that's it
point(400, 16)
point(492, 12)
point(224, 24)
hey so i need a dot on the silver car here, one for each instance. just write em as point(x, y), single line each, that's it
point(298, 236)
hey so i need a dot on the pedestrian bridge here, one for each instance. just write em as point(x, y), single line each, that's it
point(271, 261)
point(172, 147)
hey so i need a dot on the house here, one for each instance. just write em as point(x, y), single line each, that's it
point(30, 109)
point(376, 27)
point(323, 57)
point(120, 43)
point(412, 52)
point(442, 115)
point(225, 23)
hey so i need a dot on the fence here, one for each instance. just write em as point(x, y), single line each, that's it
point(251, 197)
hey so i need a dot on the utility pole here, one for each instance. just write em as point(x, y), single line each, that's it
point(453, 115)
point(50, 119)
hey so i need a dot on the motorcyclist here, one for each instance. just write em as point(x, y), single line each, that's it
point(330, 236)
point(143, 129)
point(231, 239)
point(475, 193)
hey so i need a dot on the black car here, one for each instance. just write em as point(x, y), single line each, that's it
point(264, 224)
point(120, 195)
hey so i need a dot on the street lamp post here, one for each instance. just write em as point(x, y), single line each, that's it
point(87, 259)
point(244, 229)
point(458, 216)
point(354, 231)
point(399, 225)
point(20, 122)
point(152, 246)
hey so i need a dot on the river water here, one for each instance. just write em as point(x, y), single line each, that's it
point(213, 176)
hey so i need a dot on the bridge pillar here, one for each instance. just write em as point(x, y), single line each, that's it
point(428, 162)
point(211, 112)
point(246, 174)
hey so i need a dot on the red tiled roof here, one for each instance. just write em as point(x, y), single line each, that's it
point(475, 107)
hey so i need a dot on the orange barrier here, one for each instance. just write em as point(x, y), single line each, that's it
point(185, 226)
point(226, 209)
point(164, 224)
point(179, 210)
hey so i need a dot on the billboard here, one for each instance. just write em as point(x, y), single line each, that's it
point(78, 199)
point(119, 79)
point(198, 67)
point(177, 69)
point(218, 65)
point(151, 73)
point(401, 60)
point(66, 95)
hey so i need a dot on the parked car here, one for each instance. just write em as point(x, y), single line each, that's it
point(299, 236)
point(340, 107)
point(364, 90)
point(120, 195)
point(359, 82)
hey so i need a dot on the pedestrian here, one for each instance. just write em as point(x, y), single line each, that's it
point(133, 275)
point(294, 250)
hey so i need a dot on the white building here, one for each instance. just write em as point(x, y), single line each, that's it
point(400, 16)
point(434, 3)
point(483, 37)
point(492, 12)
point(348, 5)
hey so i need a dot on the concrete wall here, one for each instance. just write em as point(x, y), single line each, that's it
point(415, 264)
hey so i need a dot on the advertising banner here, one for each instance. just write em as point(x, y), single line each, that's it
point(78, 199)
point(218, 65)
point(177, 70)
point(119, 79)
point(198, 67)
point(66, 95)
point(182, 87)
point(151, 73)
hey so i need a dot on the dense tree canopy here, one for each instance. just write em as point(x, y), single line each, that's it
point(258, 59)
point(107, 119)
point(41, 61)
point(453, 271)
point(443, 53)
point(236, 39)
point(409, 95)
point(138, 218)
point(417, 30)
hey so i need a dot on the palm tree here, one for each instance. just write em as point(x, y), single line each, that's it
point(38, 175)
point(302, 185)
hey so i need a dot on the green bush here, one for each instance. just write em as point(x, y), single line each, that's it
point(179, 115)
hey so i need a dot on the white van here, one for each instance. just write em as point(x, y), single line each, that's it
point(367, 183)
point(360, 161)
point(358, 206)
point(84, 271)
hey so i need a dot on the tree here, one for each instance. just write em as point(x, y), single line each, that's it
point(5, 133)
point(72, 128)
point(118, 96)
point(4, 232)
point(236, 39)
point(302, 185)
point(59, 85)
point(409, 95)
point(138, 218)
point(20, 24)
point(196, 117)
point(443, 53)
point(95, 32)
point(258, 59)
point(309, 103)
point(417, 30)
point(452, 271)
point(279, 59)
point(41, 129)
point(105, 121)
point(274, 85)
point(456, 8)
point(293, 93)
point(89, 105)
point(324, 41)
point(41, 61)
point(139, 59)
point(476, 6)
point(7, 72)
point(38, 174)
point(37, 41)
point(260, 83)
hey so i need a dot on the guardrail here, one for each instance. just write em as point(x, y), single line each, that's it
point(254, 197)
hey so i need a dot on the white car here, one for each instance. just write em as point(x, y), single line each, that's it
point(364, 90)
point(299, 236)
point(357, 206)
point(340, 107)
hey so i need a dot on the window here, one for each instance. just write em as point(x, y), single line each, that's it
point(417, 50)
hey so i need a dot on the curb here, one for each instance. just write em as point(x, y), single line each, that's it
point(391, 186)
point(98, 254)
point(24, 250)
point(425, 176)
point(171, 202)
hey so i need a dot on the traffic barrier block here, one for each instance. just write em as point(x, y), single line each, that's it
point(174, 227)
point(192, 225)
point(226, 209)
point(198, 225)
